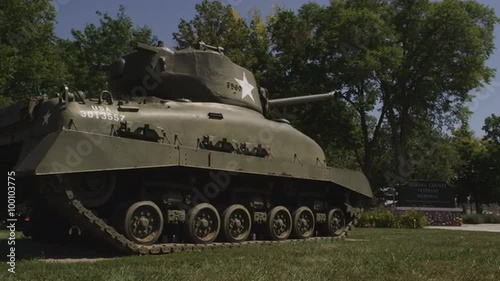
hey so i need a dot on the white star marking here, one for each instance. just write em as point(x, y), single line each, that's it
point(46, 118)
point(246, 87)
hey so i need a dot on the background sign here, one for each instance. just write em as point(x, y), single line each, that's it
point(425, 194)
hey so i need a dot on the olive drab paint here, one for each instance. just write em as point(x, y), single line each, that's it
point(192, 109)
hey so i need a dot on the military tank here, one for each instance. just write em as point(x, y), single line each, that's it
point(180, 153)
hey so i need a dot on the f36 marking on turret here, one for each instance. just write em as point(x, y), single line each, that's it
point(101, 112)
point(234, 87)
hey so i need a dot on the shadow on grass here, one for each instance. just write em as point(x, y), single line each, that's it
point(27, 249)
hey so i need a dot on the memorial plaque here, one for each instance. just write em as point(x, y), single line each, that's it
point(425, 194)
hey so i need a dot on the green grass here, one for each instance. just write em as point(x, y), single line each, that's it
point(375, 254)
point(4, 234)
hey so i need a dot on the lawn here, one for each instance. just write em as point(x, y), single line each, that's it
point(369, 254)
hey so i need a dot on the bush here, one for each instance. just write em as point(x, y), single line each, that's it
point(473, 219)
point(383, 219)
point(387, 219)
point(481, 218)
point(491, 218)
point(412, 219)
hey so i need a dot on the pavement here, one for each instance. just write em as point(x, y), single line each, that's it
point(470, 227)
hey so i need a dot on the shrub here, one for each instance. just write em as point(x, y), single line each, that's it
point(383, 219)
point(491, 218)
point(473, 219)
point(412, 219)
point(387, 219)
point(481, 218)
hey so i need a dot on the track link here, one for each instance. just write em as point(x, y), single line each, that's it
point(69, 206)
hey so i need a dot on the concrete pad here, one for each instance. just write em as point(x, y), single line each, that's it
point(470, 227)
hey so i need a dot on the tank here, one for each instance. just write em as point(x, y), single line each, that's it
point(179, 153)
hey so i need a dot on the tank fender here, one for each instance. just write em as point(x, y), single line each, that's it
point(69, 151)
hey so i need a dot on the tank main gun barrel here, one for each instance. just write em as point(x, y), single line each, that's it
point(301, 99)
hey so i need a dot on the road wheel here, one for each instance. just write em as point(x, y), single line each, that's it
point(279, 223)
point(336, 222)
point(237, 223)
point(203, 223)
point(143, 223)
point(303, 223)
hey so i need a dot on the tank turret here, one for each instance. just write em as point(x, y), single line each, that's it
point(200, 74)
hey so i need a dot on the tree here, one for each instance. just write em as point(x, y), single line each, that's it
point(492, 129)
point(30, 63)
point(487, 167)
point(363, 42)
point(444, 47)
point(338, 47)
point(433, 155)
point(219, 25)
point(259, 58)
point(490, 160)
point(98, 45)
point(476, 171)
point(417, 61)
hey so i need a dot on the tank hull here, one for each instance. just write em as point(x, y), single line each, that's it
point(188, 164)
point(89, 137)
point(69, 151)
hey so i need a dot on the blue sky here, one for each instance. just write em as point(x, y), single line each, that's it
point(164, 16)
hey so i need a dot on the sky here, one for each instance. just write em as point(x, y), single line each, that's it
point(163, 17)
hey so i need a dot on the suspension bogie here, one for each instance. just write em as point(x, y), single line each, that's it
point(176, 211)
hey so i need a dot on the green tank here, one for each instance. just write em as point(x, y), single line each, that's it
point(180, 153)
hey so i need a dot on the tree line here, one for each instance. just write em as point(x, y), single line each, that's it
point(407, 71)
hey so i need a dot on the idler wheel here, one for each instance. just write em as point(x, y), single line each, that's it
point(303, 223)
point(94, 189)
point(279, 223)
point(203, 223)
point(237, 223)
point(143, 223)
point(336, 222)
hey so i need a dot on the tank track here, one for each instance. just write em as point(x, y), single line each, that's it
point(67, 204)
